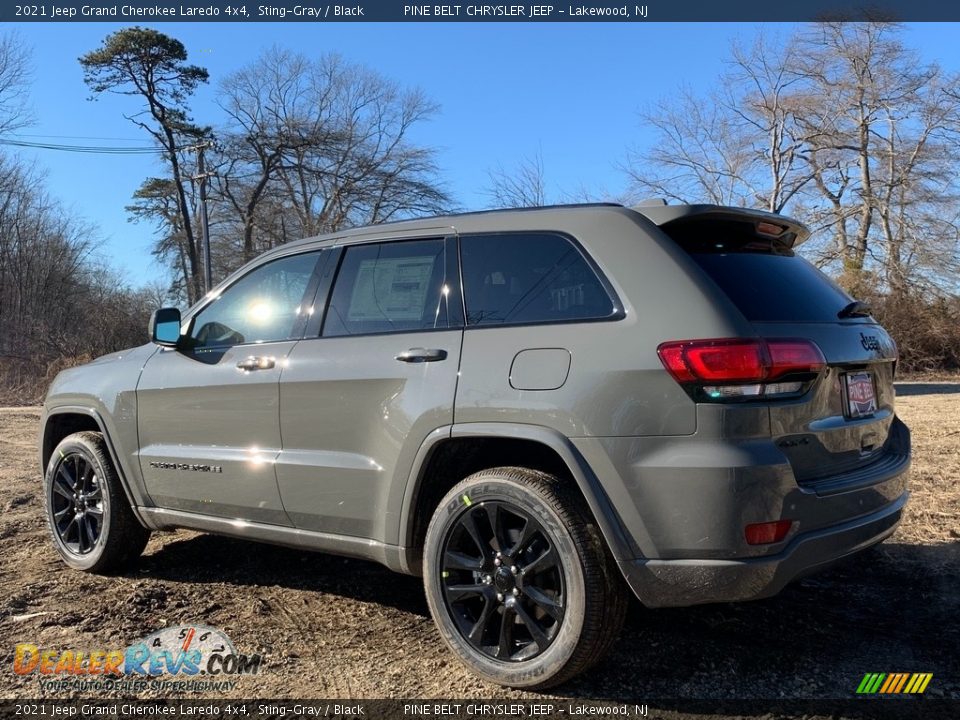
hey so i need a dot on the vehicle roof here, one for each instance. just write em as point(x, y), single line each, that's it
point(500, 219)
point(504, 220)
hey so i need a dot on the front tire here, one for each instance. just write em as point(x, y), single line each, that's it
point(90, 520)
point(519, 580)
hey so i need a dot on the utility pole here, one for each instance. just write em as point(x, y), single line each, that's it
point(204, 224)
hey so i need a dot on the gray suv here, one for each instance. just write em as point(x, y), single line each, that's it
point(536, 410)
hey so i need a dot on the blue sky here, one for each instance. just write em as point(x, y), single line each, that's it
point(571, 91)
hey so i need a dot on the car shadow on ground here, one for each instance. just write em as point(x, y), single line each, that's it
point(216, 559)
point(927, 388)
point(890, 609)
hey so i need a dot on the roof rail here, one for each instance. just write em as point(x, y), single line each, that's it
point(532, 208)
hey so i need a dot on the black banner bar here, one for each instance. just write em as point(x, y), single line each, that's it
point(317, 11)
point(878, 708)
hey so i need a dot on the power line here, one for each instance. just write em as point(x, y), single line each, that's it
point(96, 149)
point(202, 176)
point(115, 150)
point(75, 137)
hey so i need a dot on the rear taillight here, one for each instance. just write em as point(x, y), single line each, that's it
point(727, 369)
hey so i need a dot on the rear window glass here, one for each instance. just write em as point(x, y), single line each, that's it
point(529, 278)
point(769, 287)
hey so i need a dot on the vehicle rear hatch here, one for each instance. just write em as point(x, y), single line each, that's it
point(840, 432)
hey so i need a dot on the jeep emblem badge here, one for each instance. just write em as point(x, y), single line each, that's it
point(870, 342)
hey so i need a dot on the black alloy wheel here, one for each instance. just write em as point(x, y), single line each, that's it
point(503, 581)
point(77, 501)
point(89, 516)
point(519, 580)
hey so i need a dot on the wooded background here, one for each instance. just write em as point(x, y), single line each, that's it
point(840, 125)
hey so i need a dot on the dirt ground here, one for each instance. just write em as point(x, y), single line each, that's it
point(336, 628)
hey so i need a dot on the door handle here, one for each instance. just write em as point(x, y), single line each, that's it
point(256, 363)
point(420, 355)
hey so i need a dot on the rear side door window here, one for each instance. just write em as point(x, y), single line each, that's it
point(530, 278)
point(389, 287)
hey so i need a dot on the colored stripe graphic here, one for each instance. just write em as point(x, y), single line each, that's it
point(890, 679)
point(894, 683)
point(889, 683)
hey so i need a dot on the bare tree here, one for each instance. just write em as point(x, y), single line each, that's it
point(697, 154)
point(56, 301)
point(739, 146)
point(526, 186)
point(767, 108)
point(365, 169)
point(916, 202)
point(39, 249)
point(313, 146)
point(266, 104)
point(877, 122)
point(840, 124)
point(522, 187)
point(14, 80)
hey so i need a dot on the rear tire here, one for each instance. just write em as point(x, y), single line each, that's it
point(548, 606)
point(89, 517)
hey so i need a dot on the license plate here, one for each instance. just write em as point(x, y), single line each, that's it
point(861, 395)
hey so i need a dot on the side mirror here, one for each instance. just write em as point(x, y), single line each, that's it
point(165, 327)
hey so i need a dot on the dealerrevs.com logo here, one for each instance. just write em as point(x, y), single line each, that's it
point(183, 658)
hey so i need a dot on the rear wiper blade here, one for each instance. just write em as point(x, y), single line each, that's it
point(858, 308)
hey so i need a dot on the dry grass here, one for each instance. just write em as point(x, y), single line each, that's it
point(932, 410)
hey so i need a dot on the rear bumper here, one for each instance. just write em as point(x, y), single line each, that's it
point(663, 583)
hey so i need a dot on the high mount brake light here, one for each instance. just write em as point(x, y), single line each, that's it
point(736, 367)
point(771, 229)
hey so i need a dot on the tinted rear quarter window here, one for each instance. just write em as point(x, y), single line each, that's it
point(524, 278)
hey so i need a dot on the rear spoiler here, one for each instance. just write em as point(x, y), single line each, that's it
point(769, 225)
